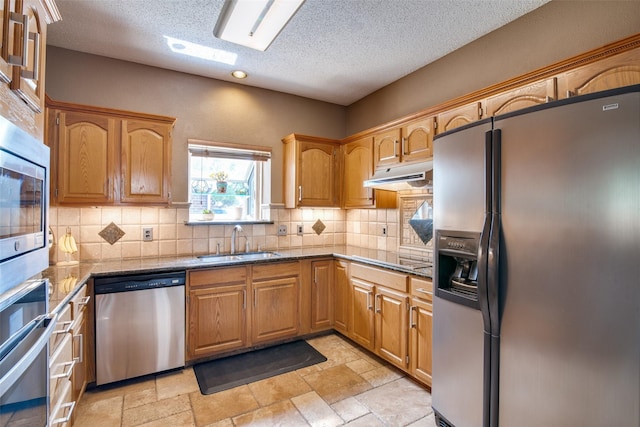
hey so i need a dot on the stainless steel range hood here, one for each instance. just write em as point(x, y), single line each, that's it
point(402, 177)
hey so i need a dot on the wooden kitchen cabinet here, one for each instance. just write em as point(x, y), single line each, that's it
point(459, 116)
point(9, 49)
point(102, 157)
point(322, 294)
point(68, 364)
point(28, 79)
point(358, 167)
point(421, 329)
point(275, 309)
point(613, 72)
point(362, 314)
point(410, 142)
point(341, 297)
point(391, 309)
point(216, 311)
point(311, 167)
point(380, 306)
point(522, 97)
point(85, 164)
point(146, 162)
point(79, 331)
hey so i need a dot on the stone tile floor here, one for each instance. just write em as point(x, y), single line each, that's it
point(352, 388)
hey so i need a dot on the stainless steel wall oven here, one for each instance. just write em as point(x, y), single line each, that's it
point(25, 329)
point(24, 189)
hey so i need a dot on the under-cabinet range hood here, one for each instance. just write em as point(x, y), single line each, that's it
point(402, 177)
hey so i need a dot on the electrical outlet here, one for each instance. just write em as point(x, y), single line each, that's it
point(147, 234)
point(384, 230)
point(282, 230)
point(300, 230)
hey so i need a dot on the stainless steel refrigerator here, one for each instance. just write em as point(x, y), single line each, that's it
point(537, 266)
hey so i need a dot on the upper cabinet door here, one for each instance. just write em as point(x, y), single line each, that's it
point(146, 152)
point(10, 20)
point(28, 80)
point(459, 116)
point(417, 140)
point(522, 97)
point(85, 158)
point(358, 167)
point(386, 148)
point(317, 174)
point(613, 72)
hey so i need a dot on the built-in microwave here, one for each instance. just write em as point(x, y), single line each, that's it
point(24, 202)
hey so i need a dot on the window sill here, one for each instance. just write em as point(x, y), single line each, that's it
point(227, 222)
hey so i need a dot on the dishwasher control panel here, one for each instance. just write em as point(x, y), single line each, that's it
point(113, 284)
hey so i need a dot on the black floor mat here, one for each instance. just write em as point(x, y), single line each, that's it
point(229, 372)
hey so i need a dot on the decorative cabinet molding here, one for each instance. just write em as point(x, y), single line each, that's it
point(86, 168)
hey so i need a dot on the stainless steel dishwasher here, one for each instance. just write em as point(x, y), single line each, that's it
point(140, 325)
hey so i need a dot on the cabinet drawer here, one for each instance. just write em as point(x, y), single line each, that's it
point(217, 276)
point(386, 278)
point(60, 367)
point(62, 407)
point(63, 327)
point(79, 303)
point(270, 271)
point(421, 288)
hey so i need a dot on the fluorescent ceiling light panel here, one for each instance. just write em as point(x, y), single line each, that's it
point(199, 51)
point(254, 23)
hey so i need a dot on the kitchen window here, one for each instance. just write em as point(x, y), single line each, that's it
point(226, 181)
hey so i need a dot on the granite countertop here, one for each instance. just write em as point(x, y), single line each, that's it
point(66, 280)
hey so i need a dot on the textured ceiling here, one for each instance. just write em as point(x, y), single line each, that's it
point(332, 50)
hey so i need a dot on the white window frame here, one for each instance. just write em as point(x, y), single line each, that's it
point(260, 154)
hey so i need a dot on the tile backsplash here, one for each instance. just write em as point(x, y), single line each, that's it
point(367, 228)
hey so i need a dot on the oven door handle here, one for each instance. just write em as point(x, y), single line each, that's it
point(25, 347)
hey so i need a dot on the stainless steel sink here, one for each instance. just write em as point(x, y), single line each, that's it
point(245, 256)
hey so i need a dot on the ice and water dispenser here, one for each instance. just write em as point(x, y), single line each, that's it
point(457, 266)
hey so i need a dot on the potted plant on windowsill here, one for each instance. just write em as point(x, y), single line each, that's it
point(221, 181)
point(207, 215)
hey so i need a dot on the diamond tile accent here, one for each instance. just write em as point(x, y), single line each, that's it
point(111, 233)
point(318, 227)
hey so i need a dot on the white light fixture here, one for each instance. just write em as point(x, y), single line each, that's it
point(254, 23)
point(239, 74)
point(184, 47)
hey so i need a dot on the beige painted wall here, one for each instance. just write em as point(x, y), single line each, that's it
point(556, 31)
point(205, 108)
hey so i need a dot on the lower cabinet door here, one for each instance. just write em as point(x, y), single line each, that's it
point(275, 309)
point(217, 320)
point(421, 319)
point(391, 326)
point(362, 314)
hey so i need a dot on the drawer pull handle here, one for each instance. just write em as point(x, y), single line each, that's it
point(71, 406)
point(66, 329)
point(411, 323)
point(423, 290)
point(68, 373)
point(85, 300)
point(80, 357)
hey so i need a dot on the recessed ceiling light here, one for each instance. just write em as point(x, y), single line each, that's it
point(238, 74)
point(254, 23)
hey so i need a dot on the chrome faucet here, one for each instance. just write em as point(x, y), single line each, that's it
point(234, 237)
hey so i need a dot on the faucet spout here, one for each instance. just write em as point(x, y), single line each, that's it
point(234, 235)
